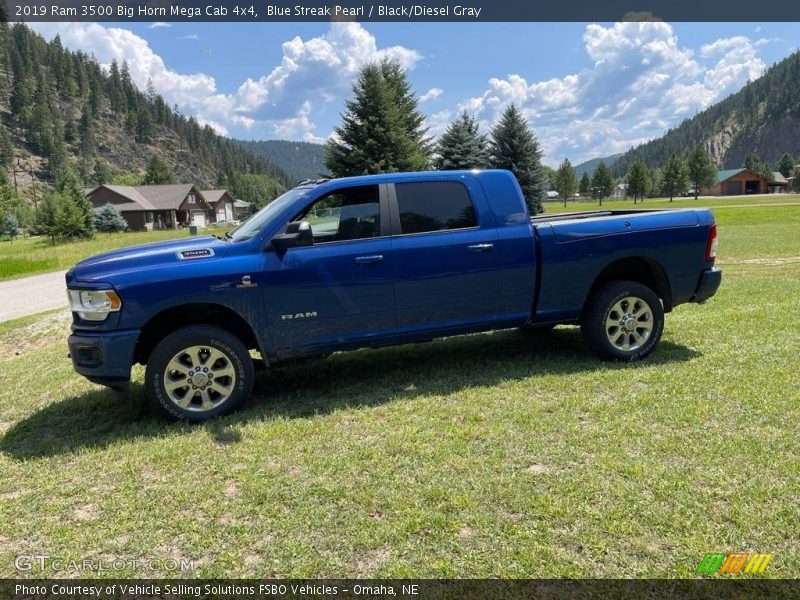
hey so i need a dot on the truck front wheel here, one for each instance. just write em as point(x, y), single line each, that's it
point(198, 372)
point(623, 320)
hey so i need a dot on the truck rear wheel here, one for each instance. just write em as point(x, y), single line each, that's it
point(623, 320)
point(198, 372)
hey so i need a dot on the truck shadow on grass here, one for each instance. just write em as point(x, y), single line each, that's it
point(303, 389)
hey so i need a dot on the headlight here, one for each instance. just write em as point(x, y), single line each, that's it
point(93, 305)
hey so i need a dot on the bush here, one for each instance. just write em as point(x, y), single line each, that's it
point(109, 220)
point(10, 226)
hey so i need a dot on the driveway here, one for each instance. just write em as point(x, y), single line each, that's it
point(31, 295)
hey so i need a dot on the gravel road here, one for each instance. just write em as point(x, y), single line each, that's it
point(30, 295)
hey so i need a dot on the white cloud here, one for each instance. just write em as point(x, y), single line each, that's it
point(191, 36)
point(311, 74)
point(641, 82)
point(158, 24)
point(431, 94)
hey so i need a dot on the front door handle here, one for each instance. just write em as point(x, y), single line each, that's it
point(480, 247)
point(365, 260)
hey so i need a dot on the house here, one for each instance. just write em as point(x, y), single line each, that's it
point(221, 203)
point(241, 210)
point(620, 191)
point(737, 182)
point(149, 207)
point(778, 184)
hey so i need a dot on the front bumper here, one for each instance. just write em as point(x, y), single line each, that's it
point(710, 280)
point(104, 357)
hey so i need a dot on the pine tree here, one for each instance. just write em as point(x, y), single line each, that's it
point(673, 177)
point(701, 170)
point(602, 183)
point(10, 226)
point(461, 146)
point(381, 130)
point(565, 180)
point(109, 220)
point(102, 173)
point(144, 125)
point(75, 214)
point(6, 148)
point(514, 146)
point(158, 172)
point(638, 181)
point(786, 164)
point(585, 187)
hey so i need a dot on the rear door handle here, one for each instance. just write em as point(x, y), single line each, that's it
point(365, 260)
point(480, 247)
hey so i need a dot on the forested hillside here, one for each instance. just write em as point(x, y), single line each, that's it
point(590, 165)
point(762, 118)
point(62, 109)
point(300, 160)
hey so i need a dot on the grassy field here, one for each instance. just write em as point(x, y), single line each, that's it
point(29, 256)
point(507, 454)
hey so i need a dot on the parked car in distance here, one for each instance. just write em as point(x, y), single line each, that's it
point(374, 261)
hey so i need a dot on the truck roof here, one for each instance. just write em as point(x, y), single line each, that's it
point(413, 175)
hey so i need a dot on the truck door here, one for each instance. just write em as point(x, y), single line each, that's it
point(339, 289)
point(446, 254)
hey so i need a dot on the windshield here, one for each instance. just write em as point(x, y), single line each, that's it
point(253, 226)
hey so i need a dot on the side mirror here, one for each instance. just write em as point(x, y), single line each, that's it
point(298, 233)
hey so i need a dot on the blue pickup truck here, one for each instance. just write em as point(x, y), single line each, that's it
point(374, 261)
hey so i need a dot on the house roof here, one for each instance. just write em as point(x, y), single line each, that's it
point(213, 196)
point(151, 197)
point(723, 175)
point(241, 203)
point(777, 177)
point(132, 194)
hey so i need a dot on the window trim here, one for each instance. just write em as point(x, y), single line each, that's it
point(383, 214)
point(394, 209)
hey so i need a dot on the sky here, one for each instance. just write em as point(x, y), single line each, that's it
point(587, 89)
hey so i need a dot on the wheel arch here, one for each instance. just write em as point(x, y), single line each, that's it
point(640, 269)
point(201, 313)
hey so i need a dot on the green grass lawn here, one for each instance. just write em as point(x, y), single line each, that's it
point(507, 454)
point(30, 256)
point(702, 202)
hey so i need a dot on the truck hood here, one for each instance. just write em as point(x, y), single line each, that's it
point(147, 256)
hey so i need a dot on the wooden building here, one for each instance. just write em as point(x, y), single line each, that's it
point(737, 182)
point(221, 203)
point(149, 207)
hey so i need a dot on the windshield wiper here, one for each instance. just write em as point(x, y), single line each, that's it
point(228, 235)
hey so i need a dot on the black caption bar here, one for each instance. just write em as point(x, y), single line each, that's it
point(409, 11)
point(425, 589)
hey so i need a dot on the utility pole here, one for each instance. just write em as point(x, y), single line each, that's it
point(33, 184)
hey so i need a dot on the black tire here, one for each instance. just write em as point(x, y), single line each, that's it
point(231, 361)
point(611, 321)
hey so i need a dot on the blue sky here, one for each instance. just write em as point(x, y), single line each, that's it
point(588, 89)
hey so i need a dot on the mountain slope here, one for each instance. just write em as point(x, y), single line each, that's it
point(763, 118)
point(590, 165)
point(301, 160)
point(62, 109)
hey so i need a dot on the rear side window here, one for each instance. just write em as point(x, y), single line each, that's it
point(434, 206)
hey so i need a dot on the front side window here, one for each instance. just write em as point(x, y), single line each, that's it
point(345, 214)
point(434, 206)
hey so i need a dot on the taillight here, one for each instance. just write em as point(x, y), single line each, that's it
point(711, 245)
